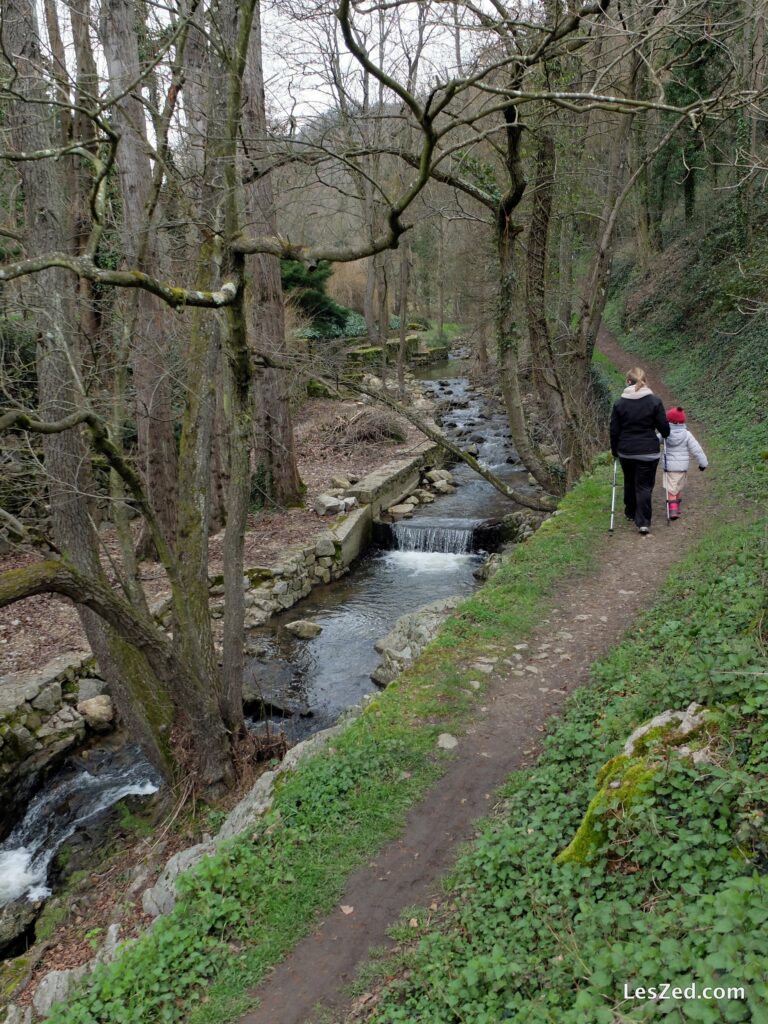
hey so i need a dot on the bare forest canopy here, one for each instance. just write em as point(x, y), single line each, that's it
point(470, 161)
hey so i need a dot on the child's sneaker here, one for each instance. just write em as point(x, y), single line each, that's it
point(674, 506)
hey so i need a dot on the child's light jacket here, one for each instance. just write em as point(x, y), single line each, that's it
point(681, 444)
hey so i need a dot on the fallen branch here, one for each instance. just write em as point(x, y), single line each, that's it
point(539, 504)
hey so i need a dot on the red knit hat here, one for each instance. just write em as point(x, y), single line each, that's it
point(676, 415)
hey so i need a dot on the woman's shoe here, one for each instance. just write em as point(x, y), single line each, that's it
point(643, 530)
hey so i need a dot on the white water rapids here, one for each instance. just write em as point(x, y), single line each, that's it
point(70, 801)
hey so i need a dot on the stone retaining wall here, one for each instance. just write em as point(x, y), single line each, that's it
point(273, 589)
point(43, 714)
point(39, 717)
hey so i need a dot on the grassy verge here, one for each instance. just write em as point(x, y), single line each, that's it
point(242, 909)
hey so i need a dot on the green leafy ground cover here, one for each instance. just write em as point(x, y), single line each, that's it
point(242, 909)
point(673, 884)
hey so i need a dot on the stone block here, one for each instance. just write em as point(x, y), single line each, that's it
point(255, 803)
point(327, 505)
point(91, 687)
point(353, 533)
point(325, 546)
point(161, 897)
point(18, 1014)
point(22, 741)
point(255, 617)
point(56, 987)
point(49, 699)
point(400, 511)
point(389, 484)
point(33, 721)
point(98, 712)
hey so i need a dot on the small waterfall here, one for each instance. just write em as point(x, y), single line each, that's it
point(454, 537)
point(74, 799)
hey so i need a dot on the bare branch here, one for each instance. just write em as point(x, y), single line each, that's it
point(84, 266)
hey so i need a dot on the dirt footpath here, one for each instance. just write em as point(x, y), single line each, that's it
point(588, 616)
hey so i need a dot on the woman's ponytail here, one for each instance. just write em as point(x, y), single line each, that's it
point(636, 376)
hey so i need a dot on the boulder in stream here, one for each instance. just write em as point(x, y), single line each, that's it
point(304, 628)
point(400, 511)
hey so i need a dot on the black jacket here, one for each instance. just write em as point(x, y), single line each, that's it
point(634, 422)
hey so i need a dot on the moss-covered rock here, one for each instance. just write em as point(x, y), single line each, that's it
point(622, 782)
point(12, 974)
point(626, 778)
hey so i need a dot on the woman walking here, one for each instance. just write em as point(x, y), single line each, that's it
point(635, 420)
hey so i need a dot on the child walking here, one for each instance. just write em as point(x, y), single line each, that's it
point(680, 445)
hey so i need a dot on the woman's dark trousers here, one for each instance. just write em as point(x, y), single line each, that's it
point(639, 478)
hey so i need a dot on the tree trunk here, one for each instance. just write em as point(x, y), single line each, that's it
point(508, 339)
point(544, 368)
point(275, 448)
point(645, 235)
point(382, 308)
point(753, 77)
point(147, 317)
point(689, 193)
point(86, 93)
point(440, 282)
point(405, 255)
point(369, 308)
point(594, 290)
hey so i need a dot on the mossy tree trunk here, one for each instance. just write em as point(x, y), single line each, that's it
point(508, 334)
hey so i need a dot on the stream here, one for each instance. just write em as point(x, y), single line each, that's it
point(302, 686)
point(89, 784)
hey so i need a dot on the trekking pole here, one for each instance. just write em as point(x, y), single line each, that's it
point(666, 487)
point(613, 496)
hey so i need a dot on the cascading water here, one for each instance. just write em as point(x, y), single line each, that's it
point(73, 799)
point(450, 537)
